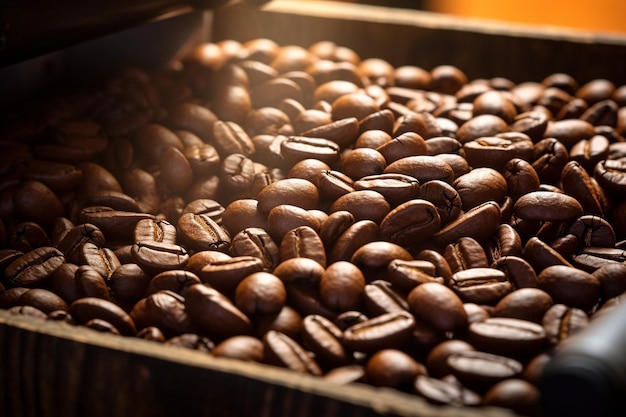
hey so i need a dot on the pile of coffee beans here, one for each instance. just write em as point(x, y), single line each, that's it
point(334, 215)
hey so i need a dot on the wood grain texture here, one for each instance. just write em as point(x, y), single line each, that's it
point(48, 369)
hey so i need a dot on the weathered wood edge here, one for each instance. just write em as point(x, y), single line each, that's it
point(68, 355)
point(411, 37)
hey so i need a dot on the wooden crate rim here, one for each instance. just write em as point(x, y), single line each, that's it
point(432, 20)
point(383, 400)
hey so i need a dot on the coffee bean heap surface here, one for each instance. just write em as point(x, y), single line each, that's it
point(334, 215)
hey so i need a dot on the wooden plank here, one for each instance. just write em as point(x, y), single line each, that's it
point(50, 368)
point(480, 48)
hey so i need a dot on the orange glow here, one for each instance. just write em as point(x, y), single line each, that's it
point(599, 15)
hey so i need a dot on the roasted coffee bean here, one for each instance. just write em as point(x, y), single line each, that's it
point(342, 131)
point(507, 336)
point(89, 308)
point(396, 188)
point(334, 225)
point(379, 297)
point(293, 191)
point(298, 148)
point(611, 175)
point(342, 286)
point(445, 392)
point(481, 370)
point(237, 172)
point(437, 359)
point(577, 183)
point(43, 300)
point(392, 368)
point(201, 232)
point(152, 230)
point(402, 146)
point(90, 283)
point(303, 242)
point(285, 217)
point(26, 236)
point(256, 242)
point(521, 178)
point(406, 275)
point(102, 260)
point(612, 279)
point(73, 240)
point(518, 271)
point(114, 224)
point(445, 198)
point(410, 222)
point(531, 123)
point(547, 206)
point(241, 214)
point(226, 274)
point(345, 374)
point(157, 257)
point(260, 293)
point(423, 168)
point(281, 350)
point(129, 282)
point(375, 256)
point(333, 184)
point(525, 303)
point(561, 322)
point(33, 268)
point(27, 311)
point(36, 202)
point(192, 341)
point(480, 285)
point(245, 348)
point(540, 255)
point(549, 158)
point(364, 205)
point(592, 230)
point(390, 330)
point(505, 242)
point(438, 306)
point(323, 338)
point(465, 253)
point(479, 223)
point(514, 394)
point(215, 313)
point(570, 286)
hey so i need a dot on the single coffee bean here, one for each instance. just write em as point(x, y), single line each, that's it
point(445, 392)
point(465, 253)
point(173, 280)
point(297, 148)
point(215, 313)
point(379, 297)
point(43, 299)
point(392, 368)
point(334, 225)
point(480, 285)
point(345, 374)
point(114, 224)
point(89, 308)
point(26, 236)
point(444, 197)
point(396, 188)
point(375, 256)
point(438, 306)
point(612, 279)
point(201, 232)
point(293, 191)
point(505, 242)
point(577, 183)
point(245, 348)
point(102, 260)
point(281, 350)
point(226, 274)
point(241, 214)
point(333, 184)
point(549, 158)
point(482, 370)
point(322, 337)
point(152, 230)
point(570, 286)
point(342, 286)
point(547, 206)
point(514, 394)
point(611, 174)
point(423, 168)
point(437, 359)
point(72, 242)
point(129, 282)
point(342, 131)
point(390, 330)
point(406, 275)
point(402, 146)
point(507, 336)
point(592, 230)
point(254, 241)
point(518, 271)
point(303, 242)
point(157, 257)
point(364, 205)
point(260, 293)
point(560, 322)
point(33, 268)
point(525, 303)
point(479, 223)
point(479, 186)
point(284, 218)
point(90, 283)
point(410, 222)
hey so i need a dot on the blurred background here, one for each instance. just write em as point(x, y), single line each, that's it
point(598, 15)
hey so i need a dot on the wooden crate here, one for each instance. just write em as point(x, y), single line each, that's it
point(50, 369)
